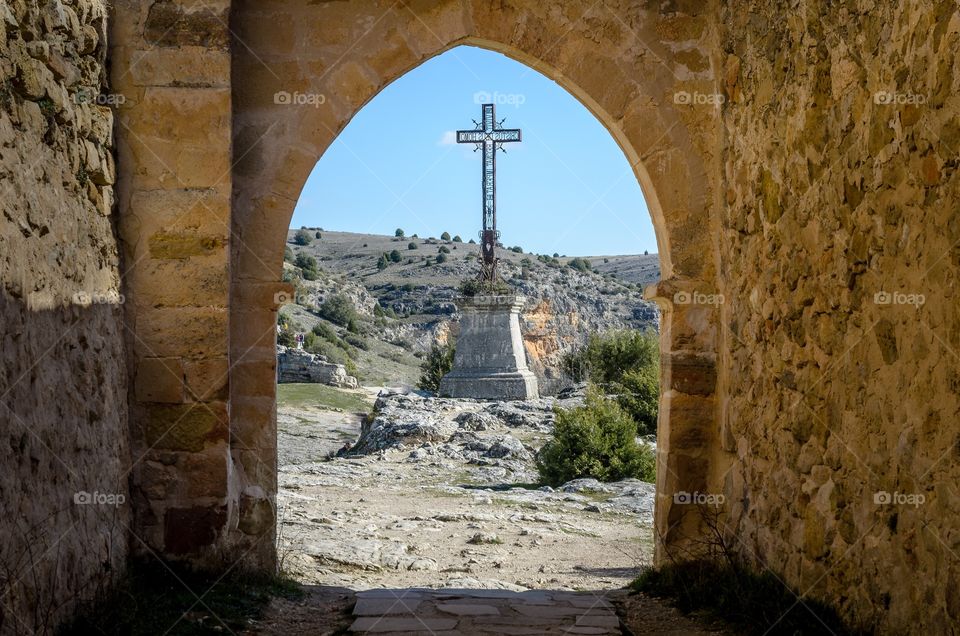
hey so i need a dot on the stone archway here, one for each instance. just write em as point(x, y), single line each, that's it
point(634, 68)
point(278, 144)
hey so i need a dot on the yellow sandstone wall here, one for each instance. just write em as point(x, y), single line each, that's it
point(840, 254)
point(63, 379)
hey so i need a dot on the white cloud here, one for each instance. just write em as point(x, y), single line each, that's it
point(448, 138)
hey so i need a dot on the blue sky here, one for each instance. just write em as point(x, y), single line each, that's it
point(566, 188)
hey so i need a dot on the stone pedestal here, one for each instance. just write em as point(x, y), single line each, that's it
point(490, 362)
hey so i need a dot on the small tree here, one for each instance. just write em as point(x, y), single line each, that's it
point(441, 258)
point(444, 249)
point(445, 236)
point(338, 309)
point(457, 239)
point(399, 233)
point(580, 264)
point(318, 235)
point(395, 256)
point(595, 440)
point(625, 363)
point(307, 265)
point(437, 364)
point(302, 237)
point(411, 245)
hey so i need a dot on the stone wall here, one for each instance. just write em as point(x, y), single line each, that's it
point(63, 411)
point(841, 328)
point(171, 61)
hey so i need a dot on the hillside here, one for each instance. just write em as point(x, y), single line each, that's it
point(404, 299)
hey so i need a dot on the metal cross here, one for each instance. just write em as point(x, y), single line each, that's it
point(489, 137)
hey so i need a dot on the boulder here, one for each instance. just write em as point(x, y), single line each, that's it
point(297, 365)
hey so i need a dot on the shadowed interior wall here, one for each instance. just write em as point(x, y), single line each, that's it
point(63, 377)
point(840, 263)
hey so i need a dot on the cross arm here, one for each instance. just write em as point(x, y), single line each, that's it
point(470, 136)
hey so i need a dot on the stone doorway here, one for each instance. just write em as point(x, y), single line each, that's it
point(250, 157)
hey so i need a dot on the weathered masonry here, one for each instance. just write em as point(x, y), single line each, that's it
point(799, 163)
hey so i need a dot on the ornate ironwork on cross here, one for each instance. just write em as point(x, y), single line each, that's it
point(489, 137)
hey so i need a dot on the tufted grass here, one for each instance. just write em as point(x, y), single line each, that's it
point(156, 598)
point(321, 396)
point(750, 602)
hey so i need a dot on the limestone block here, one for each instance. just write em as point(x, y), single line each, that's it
point(296, 365)
point(160, 380)
point(490, 360)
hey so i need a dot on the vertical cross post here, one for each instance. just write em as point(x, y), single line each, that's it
point(489, 137)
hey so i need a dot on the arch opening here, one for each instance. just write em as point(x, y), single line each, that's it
point(276, 146)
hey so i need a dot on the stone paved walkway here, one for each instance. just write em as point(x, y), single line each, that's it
point(448, 612)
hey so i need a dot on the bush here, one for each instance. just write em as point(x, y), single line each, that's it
point(580, 264)
point(395, 256)
point(383, 262)
point(357, 341)
point(595, 440)
point(436, 365)
point(325, 331)
point(445, 236)
point(338, 309)
point(516, 249)
point(398, 233)
point(302, 237)
point(443, 250)
point(286, 339)
point(472, 287)
point(441, 258)
point(625, 363)
point(411, 245)
point(287, 254)
point(457, 239)
point(318, 235)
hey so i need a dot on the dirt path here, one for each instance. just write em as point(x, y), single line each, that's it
point(475, 551)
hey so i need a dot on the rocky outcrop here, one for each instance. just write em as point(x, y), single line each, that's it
point(297, 365)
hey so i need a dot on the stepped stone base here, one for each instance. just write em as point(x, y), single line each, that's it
point(490, 362)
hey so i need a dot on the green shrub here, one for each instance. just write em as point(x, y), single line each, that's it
point(357, 341)
point(303, 261)
point(580, 264)
point(286, 339)
point(441, 258)
point(395, 256)
point(338, 309)
point(318, 235)
point(472, 287)
point(443, 249)
point(595, 440)
point(626, 363)
point(445, 236)
point(638, 392)
point(302, 237)
point(516, 249)
point(398, 233)
point(383, 262)
point(457, 239)
point(436, 365)
point(325, 331)
point(287, 254)
point(411, 245)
